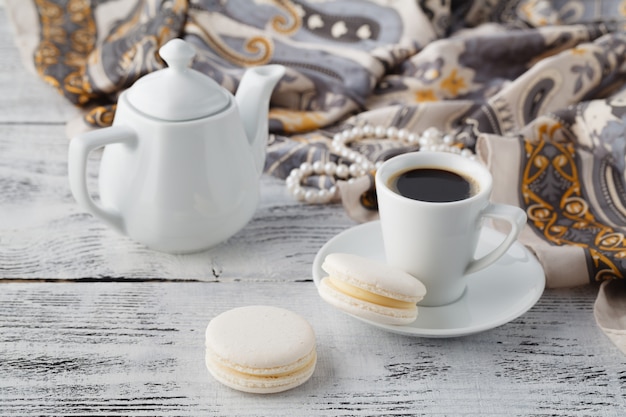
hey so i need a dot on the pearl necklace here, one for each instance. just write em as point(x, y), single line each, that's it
point(431, 139)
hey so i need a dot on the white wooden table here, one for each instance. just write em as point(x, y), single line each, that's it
point(94, 324)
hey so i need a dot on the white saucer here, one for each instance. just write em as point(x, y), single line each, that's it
point(494, 296)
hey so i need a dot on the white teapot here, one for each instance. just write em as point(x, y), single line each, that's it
point(181, 165)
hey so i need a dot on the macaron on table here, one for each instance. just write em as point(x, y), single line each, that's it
point(260, 349)
point(370, 289)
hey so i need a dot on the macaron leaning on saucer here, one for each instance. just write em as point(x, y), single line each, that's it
point(370, 289)
point(260, 349)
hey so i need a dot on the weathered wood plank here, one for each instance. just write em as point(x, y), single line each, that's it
point(137, 348)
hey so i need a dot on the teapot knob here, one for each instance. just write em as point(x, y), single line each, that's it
point(178, 93)
point(177, 53)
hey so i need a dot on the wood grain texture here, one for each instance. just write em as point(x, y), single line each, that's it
point(137, 348)
point(120, 329)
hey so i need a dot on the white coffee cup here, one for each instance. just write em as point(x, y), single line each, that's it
point(436, 241)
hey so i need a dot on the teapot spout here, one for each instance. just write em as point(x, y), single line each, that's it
point(253, 98)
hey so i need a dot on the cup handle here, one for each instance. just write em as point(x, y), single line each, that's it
point(79, 149)
point(516, 217)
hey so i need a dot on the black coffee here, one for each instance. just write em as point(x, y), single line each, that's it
point(432, 184)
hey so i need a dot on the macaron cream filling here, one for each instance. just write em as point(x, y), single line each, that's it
point(263, 373)
point(364, 295)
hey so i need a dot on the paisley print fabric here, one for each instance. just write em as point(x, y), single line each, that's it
point(537, 89)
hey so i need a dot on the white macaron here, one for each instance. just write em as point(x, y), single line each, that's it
point(370, 289)
point(260, 349)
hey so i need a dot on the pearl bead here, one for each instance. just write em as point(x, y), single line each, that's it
point(368, 130)
point(403, 134)
point(356, 133)
point(318, 167)
point(432, 133)
point(412, 138)
point(293, 187)
point(299, 193)
point(392, 133)
point(378, 164)
point(466, 153)
point(448, 139)
point(338, 138)
point(330, 168)
point(306, 168)
point(354, 170)
point(296, 173)
point(342, 171)
point(379, 131)
point(324, 196)
point(310, 196)
point(424, 141)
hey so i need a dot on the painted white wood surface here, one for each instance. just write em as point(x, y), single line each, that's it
point(137, 349)
point(93, 324)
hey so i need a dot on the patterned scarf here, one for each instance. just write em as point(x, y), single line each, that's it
point(537, 89)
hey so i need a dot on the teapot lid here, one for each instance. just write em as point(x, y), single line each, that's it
point(178, 93)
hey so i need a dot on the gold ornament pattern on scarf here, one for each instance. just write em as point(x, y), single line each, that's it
point(552, 192)
point(260, 47)
point(101, 116)
point(61, 56)
point(283, 25)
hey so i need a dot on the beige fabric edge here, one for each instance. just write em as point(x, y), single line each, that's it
point(610, 311)
point(350, 198)
point(24, 20)
point(564, 266)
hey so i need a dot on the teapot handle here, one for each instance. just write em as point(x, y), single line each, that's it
point(79, 149)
